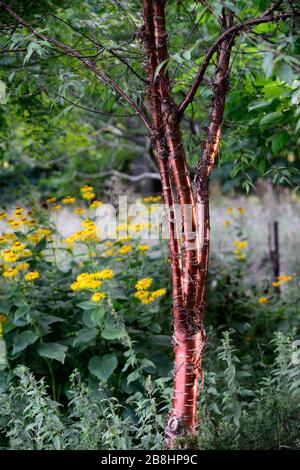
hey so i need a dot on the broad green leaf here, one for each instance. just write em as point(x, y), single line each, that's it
point(53, 351)
point(112, 332)
point(279, 141)
point(103, 367)
point(22, 340)
point(93, 318)
point(271, 117)
point(87, 305)
point(268, 64)
point(286, 73)
point(85, 335)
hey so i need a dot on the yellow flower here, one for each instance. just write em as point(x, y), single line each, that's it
point(143, 296)
point(227, 223)
point(125, 249)
point(138, 227)
point(79, 211)
point(51, 200)
point(22, 266)
point(98, 296)
point(276, 283)
point(14, 223)
point(86, 188)
point(284, 278)
point(104, 274)
point(143, 247)
point(43, 232)
point(241, 257)
point(143, 284)
point(25, 253)
point(18, 212)
point(230, 210)
point(157, 293)
point(88, 195)
point(240, 245)
point(17, 246)
point(95, 204)
point(263, 300)
point(85, 281)
point(68, 200)
point(3, 215)
point(57, 207)
point(11, 272)
point(9, 256)
point(241, 210)
point(108, 253)
point(31, 276)
point(152, 199)
point(33, 238)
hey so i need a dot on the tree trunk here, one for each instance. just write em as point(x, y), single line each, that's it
point(189, 256)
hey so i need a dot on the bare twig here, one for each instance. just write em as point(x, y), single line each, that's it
point(133, 178)
point(87, 62)
point(230, 32)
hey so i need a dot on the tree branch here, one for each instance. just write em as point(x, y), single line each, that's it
point(134, 178)
point(88, 63)
point(230, 32)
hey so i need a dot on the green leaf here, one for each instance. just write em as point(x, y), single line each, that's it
point(112, 332)
point(93, 318)
point(53, 351)
point(22, 340)
point(286, 73)
point(87, 305)
point(85, 335)
point(268, 64)
point(279, 141)
point(271, 117)
point(103, 367)
point(40, 246)
point(258, 105)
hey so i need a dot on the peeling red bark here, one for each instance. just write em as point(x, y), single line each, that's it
point(190, 261)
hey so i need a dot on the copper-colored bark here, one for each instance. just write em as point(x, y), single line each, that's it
point(189, 264)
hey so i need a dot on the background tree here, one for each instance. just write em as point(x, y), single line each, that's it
point(164, 91)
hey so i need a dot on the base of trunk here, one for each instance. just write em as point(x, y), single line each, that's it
point(182, 424)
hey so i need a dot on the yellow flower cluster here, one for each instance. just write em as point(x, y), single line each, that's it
point(143, 294)
point(79, 211)
point(88, 234)
point(91, 280)
point(146, 297)
point(38, 234)
point(95, 204)
point(31, 276)
point(143, 247)
point(68, 200)
point(263, 300)
point(98, 296)
point(144, 284)
point(51, 200)
point(150, 199)
point(87, 192)
point(239, 245)
point(241, 210)
point(281, 279)
point(125, 249)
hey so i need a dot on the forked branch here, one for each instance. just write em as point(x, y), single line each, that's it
point(233, 31)
point(87, 62)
